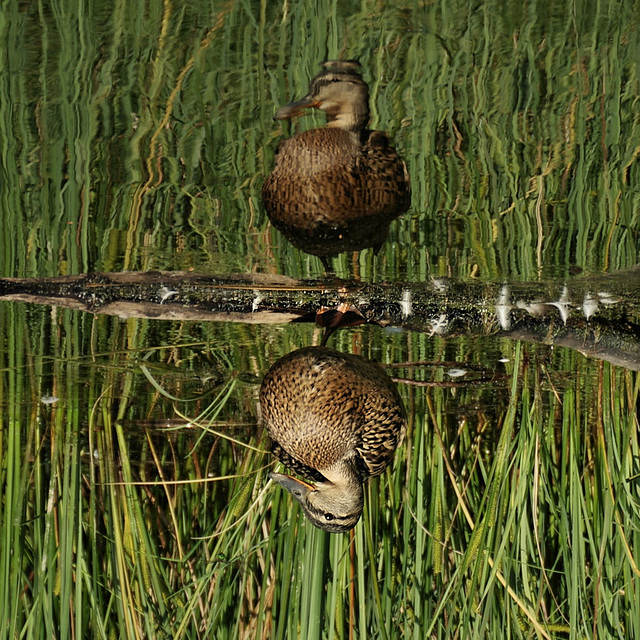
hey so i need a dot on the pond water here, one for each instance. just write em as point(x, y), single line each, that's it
point(134, 472)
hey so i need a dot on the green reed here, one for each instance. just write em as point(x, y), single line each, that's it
point(510, 503)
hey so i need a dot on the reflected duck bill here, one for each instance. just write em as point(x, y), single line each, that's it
point(297, 108)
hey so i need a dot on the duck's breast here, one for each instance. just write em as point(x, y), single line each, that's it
point(317, 152)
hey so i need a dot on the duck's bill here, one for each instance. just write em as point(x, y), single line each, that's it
point(299, 489)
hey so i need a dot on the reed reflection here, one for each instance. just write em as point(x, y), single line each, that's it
point(335, 419)
point(338, 188)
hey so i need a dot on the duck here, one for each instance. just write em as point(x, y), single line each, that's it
point(336, 419)
point(339, 187)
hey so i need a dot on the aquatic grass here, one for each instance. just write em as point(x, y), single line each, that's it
point(530, 522)
point(59, 545)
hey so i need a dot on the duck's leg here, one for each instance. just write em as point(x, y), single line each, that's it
point(328, 267)
point(346, 315)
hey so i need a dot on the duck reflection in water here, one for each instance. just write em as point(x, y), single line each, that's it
point(338, 188)
point(335, 419)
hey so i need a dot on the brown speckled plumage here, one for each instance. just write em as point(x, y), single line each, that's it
point(338, 188)
point(335, 419)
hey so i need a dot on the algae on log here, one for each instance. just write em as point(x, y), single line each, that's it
point(599, 317)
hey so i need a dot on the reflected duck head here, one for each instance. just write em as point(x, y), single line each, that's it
point(332, 507)
point(340, 92)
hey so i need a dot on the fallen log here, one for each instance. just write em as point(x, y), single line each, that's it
point(599, 317)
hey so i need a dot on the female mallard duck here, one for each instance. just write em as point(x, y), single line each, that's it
point(335, 419)
point(338, 188)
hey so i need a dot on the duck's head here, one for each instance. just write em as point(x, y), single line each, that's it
point(329, 506)
point(340, 92)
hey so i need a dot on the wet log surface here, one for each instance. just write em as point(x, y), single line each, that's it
point(599, 317)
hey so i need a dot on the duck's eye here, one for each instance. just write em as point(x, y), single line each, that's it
point(329, 516)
